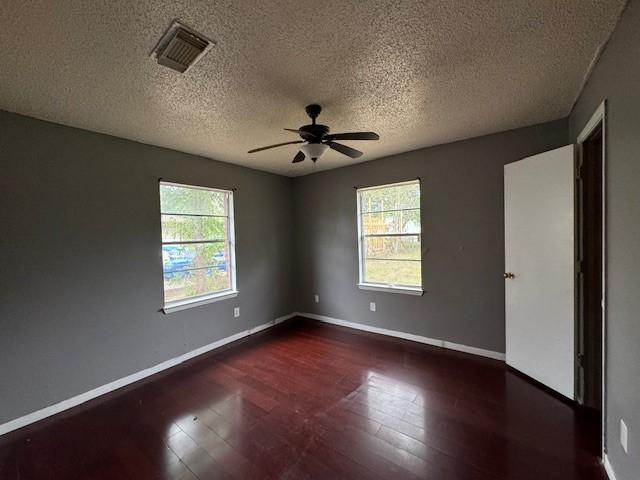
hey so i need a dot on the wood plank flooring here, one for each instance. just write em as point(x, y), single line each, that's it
point(307, 400)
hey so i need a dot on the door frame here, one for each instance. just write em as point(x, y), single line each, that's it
point(599, 117)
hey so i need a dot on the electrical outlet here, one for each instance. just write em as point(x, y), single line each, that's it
point(624, 435)
point(372, 306)
point(317, 298)
point(236, 312)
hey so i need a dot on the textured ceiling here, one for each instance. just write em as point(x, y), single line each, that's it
point(418, 73)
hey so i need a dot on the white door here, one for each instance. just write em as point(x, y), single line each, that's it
point(539, 217)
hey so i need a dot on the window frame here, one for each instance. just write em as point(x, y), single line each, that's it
point(382, 287)
point(232, 291)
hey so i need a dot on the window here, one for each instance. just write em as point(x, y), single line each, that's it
point(198, 257)
point(389, 237)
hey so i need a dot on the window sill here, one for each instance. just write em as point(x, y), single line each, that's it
point(196, 302)
point(391, 289)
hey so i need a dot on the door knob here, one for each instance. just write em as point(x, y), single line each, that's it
point(509, 275)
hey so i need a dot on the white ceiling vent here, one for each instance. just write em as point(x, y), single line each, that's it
point(181, 47)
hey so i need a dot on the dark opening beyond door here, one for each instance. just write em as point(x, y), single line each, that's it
point(590, 303)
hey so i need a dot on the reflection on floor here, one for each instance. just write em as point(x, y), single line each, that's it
point(308, 400)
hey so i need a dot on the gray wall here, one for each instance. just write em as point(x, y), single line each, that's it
point(81, 270)
point(616, 77)
point(81, 288)
point(462, 223)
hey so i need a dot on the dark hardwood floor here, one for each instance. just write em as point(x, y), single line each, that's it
point(308, 400)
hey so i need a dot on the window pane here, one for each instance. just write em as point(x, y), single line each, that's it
point(191, 201)
point(392, 248)
point(390, 198)
point(197, 256)
point(392, 272)
point(191, 283)
point(403, 221)
point(391, 235)
point(181, 228)
point(176, 257)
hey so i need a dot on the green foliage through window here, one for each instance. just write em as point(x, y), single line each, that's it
point(197, 254)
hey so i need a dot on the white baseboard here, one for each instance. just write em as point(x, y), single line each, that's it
point(407, 336)
point(608, 468)
point(129, 379)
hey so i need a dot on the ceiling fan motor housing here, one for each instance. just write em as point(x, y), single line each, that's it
point(313, 133)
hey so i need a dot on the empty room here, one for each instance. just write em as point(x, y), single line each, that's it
point(320, 240)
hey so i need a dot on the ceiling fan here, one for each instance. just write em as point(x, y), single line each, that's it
point(317, 139)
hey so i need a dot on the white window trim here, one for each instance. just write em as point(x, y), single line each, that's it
point(197, 301)
point(362, 285)
point(419, 291)
point(232, 292)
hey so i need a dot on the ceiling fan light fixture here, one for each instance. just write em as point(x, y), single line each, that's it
point(314, 150)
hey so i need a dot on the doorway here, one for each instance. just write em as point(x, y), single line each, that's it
point(590, 270)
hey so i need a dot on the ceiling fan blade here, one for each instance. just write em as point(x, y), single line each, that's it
point(274, 146)
point(353, 136)
point(294, 130)
point(298, 158)
point(348, 151)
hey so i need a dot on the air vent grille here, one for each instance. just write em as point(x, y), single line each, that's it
point(181, 47)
